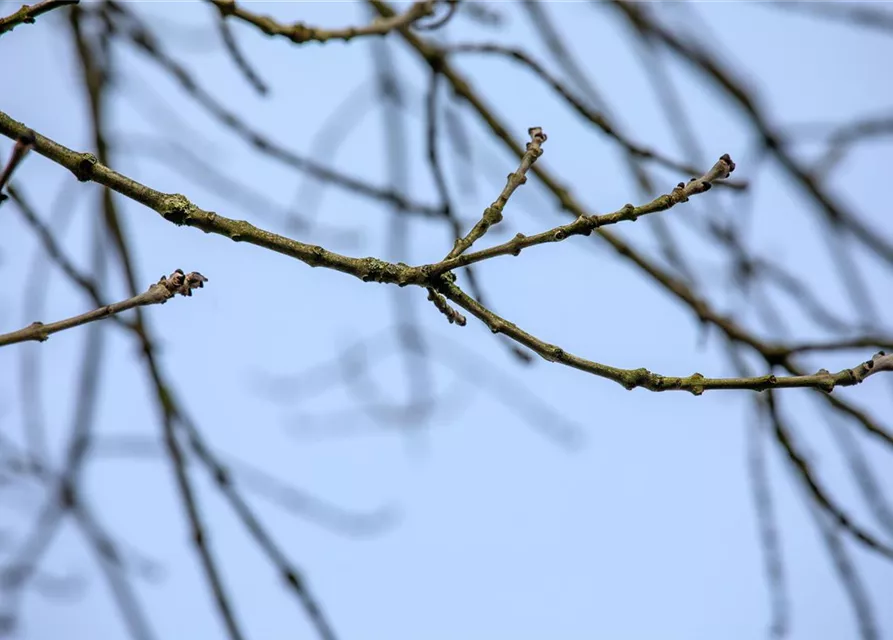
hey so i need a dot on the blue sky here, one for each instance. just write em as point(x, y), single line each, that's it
point(484, 524)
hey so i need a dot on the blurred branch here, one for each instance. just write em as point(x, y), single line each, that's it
point(300, 33)
point(171, 414)
point(55, 253)
point(24, 143)
point(862, 14)
point(767, 519)
point(849, 576)
point(141, 37)
point(238, 58)
point(861, 342)
point(842, 140)
point(835, 212)
point(599, 120)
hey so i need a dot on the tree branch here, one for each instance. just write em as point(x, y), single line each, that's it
point(24, 143)
point(178, 209)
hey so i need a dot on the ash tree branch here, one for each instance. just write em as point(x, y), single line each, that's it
point(24, 144)
point(54, 250)
point(600, 120)
point(159, 293)
point(178, 209)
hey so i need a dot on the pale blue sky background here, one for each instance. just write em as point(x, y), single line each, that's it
point(644, 530)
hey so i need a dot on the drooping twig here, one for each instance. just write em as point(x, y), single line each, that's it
point(767, 520)
point(451, 314)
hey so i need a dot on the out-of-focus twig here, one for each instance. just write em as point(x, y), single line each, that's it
point(300, 33)
point(239, 59)
point(599, 120)
point(23, 145)
point(820, 495)
point(835, 212)
point(862, 14)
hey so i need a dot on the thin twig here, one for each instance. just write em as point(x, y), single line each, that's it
point(159, 293)
point(586, 224)
point(24, 143)
point(28, 13)
point(179, 210)
point(493, 214)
